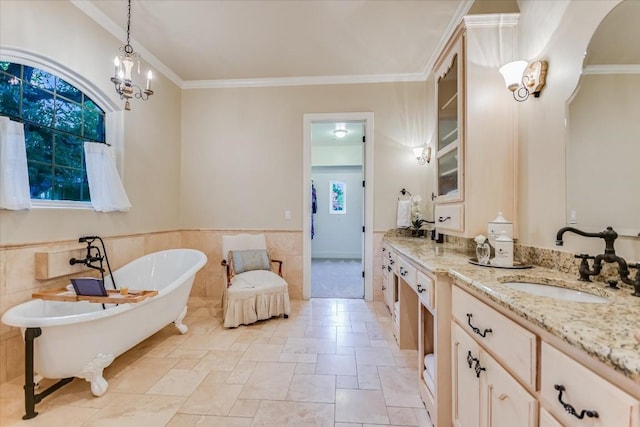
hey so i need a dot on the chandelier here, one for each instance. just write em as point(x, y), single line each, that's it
point(123, 65)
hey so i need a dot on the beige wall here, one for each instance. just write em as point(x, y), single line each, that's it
point(60, 31)
point(242, 150)
point(561, 38)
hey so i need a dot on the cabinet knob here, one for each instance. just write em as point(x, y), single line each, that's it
point(420, 288)
point(384, 288)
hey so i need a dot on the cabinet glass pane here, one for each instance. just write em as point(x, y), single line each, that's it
point(448, 106)
point(448, 173)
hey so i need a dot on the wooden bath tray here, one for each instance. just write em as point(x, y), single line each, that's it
point(114, 297)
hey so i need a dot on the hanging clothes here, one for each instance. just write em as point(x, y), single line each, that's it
point(314, 207)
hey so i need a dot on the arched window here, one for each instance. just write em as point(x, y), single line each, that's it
point(58, 118)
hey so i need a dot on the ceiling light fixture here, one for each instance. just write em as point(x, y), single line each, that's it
point(523, 78)
point(340, 133)
point(123, 65)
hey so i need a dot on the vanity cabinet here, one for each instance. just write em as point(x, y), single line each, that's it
point(388, 278)
point(583, 390)
point(476, 133)
point(499, 380)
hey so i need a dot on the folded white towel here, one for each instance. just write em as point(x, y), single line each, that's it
point(430, 365)
point(404, 213)
point(430, 383)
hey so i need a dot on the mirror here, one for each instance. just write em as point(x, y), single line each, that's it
point(603, 147)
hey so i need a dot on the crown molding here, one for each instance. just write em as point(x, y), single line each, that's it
point(492, 20)
point(611, 69)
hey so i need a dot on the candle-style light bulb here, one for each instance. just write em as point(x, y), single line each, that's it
point(149, 77)
point(116, 65)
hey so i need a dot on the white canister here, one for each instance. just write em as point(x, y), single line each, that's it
point(497, 226)
point(504, 251)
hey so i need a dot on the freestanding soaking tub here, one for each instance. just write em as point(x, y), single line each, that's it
point(80, 339)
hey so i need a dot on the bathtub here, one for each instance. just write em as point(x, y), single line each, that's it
point(80, 339)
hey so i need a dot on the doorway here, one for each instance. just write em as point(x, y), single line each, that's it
point(337, 248)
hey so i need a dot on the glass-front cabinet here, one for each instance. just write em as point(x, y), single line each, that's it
point(475, 175)
point(449, 110)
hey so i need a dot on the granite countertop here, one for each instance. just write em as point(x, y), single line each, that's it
point(604, 331)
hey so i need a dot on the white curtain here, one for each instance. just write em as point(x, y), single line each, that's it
point(14, 175)
point(105, 186)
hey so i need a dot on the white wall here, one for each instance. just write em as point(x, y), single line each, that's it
point(338, 235)
point(60, 31)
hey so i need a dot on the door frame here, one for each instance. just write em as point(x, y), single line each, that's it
point(367, 165)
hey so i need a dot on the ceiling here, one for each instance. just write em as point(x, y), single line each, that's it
point(205, 43)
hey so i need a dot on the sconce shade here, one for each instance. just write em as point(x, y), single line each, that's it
point(423, 154)
point(512, 74)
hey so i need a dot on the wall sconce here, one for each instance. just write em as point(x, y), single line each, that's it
point(523, 78)
point(423, 154)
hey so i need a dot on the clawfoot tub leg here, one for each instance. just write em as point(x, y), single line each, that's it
point(178, 322)
point(33, 381)
point(92, 372)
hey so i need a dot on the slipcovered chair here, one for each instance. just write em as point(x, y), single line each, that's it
point(254, 292)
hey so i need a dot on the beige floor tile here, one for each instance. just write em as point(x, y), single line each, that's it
point(269, 380)
point(272, 413)
point(183, 353)
point(213, 421)
point(305, 368)
point(136, 410)
point(310, 345)
point(336, 364)
point(312, 388)
point(141, 376)
point(183, 420)
point(361, 406)
point(241, 373)
point(178, 382)
point(353, 340)
point(211, 398)
point(374, 356)
point(347, 425)
point(346, 381)
point(368, 378)
point(263, 353)
point(219, 360)
point(59, 416)
point(400, 387)
point(244, 408)
point(402, 416)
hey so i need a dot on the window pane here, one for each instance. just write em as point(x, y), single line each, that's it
point(68, 151)
point(40, 180)
point(69, 184)
point(11, 68)
point(39, 78)
point(65, 89)
point(37, 105)
point(68, 116)
point(9, 95)
point(93, 122)
point(39, 142)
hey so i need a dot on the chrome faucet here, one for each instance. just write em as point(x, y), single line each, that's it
point(609, 256)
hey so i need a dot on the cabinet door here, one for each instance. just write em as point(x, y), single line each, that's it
point(389, 289)
point(465, 379)
point(449, 98)
point(504, 402)
point(546, 420)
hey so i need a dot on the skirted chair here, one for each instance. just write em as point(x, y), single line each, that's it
point(254, 292)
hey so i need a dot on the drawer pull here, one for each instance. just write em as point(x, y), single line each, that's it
point(391, 262)
point(403, 272)
point(471, 360)
point(476, 330)
point(420, 288)
point(570, 409)
point(444, 218)
point(502, 396)
point(388, 268)
point(384, 288)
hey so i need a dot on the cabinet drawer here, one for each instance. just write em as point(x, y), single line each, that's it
point(450, 217)
point(583, 390)
point(511, 344)
point(406, 272)
point(425, 287)
point(547, 420)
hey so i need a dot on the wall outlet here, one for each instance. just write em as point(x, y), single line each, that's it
point(287, 214)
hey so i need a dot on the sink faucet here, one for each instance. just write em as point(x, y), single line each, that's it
point(609, 256)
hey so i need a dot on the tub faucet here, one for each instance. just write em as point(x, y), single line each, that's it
point(94, 255)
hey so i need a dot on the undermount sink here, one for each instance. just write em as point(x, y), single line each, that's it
point(556, 292)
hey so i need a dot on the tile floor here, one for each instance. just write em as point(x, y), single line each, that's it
point(334, 362)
